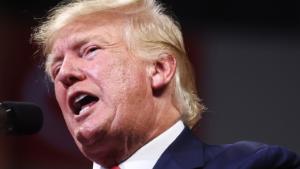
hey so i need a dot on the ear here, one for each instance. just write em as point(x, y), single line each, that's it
point(163, 72)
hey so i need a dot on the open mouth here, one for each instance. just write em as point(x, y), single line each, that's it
point(82, 101)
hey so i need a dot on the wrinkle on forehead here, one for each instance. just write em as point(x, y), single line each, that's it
point(94, 21)
point(103, 30)
point(71, 39)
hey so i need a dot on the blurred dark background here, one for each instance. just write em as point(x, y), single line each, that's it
point(246, 58)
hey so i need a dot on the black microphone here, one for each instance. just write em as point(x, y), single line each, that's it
point(20, 118)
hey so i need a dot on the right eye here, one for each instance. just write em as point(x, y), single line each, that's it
point(55, 70)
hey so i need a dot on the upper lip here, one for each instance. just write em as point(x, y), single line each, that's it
point(75, 99)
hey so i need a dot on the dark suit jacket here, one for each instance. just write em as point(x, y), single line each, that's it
point(187, 152)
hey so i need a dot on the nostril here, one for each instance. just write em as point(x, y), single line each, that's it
point(69, 81)
point(71, 77)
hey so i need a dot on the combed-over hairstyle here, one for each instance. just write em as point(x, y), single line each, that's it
point(149, 31)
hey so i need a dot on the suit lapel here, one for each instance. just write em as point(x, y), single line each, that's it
point(186, 152)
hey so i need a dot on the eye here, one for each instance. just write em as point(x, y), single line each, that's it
point(90, 52)
point(55, 70)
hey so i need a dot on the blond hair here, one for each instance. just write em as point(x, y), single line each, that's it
point(149, 30)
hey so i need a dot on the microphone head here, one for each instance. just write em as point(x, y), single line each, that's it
point(23, 118)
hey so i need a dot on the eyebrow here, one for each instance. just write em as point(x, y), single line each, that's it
point(76, 42)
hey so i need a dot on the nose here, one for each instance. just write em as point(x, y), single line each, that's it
point(70, 72)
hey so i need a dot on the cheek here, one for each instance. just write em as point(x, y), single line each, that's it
point(59, 95)
point(136, 97)
point(110, 75)
point(94, 70)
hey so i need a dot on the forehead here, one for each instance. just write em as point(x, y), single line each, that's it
point(105, 27)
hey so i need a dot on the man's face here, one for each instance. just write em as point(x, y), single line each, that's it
point(104, 91)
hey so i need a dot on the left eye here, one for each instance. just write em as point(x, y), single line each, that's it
point(90, 52)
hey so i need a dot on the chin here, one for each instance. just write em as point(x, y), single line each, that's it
point(102, 154)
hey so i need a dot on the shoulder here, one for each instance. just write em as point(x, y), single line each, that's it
point(188, 152)
point(249, 154)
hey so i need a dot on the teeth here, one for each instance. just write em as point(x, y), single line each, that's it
point(77, 105)
point(80, 98)
point(84, 109)
point(82, 103)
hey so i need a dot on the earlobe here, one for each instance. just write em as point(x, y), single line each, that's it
point(163, 72)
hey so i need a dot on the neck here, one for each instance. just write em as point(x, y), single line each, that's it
point(165, 115)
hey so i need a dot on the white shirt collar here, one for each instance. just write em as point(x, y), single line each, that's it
point(148, 155)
